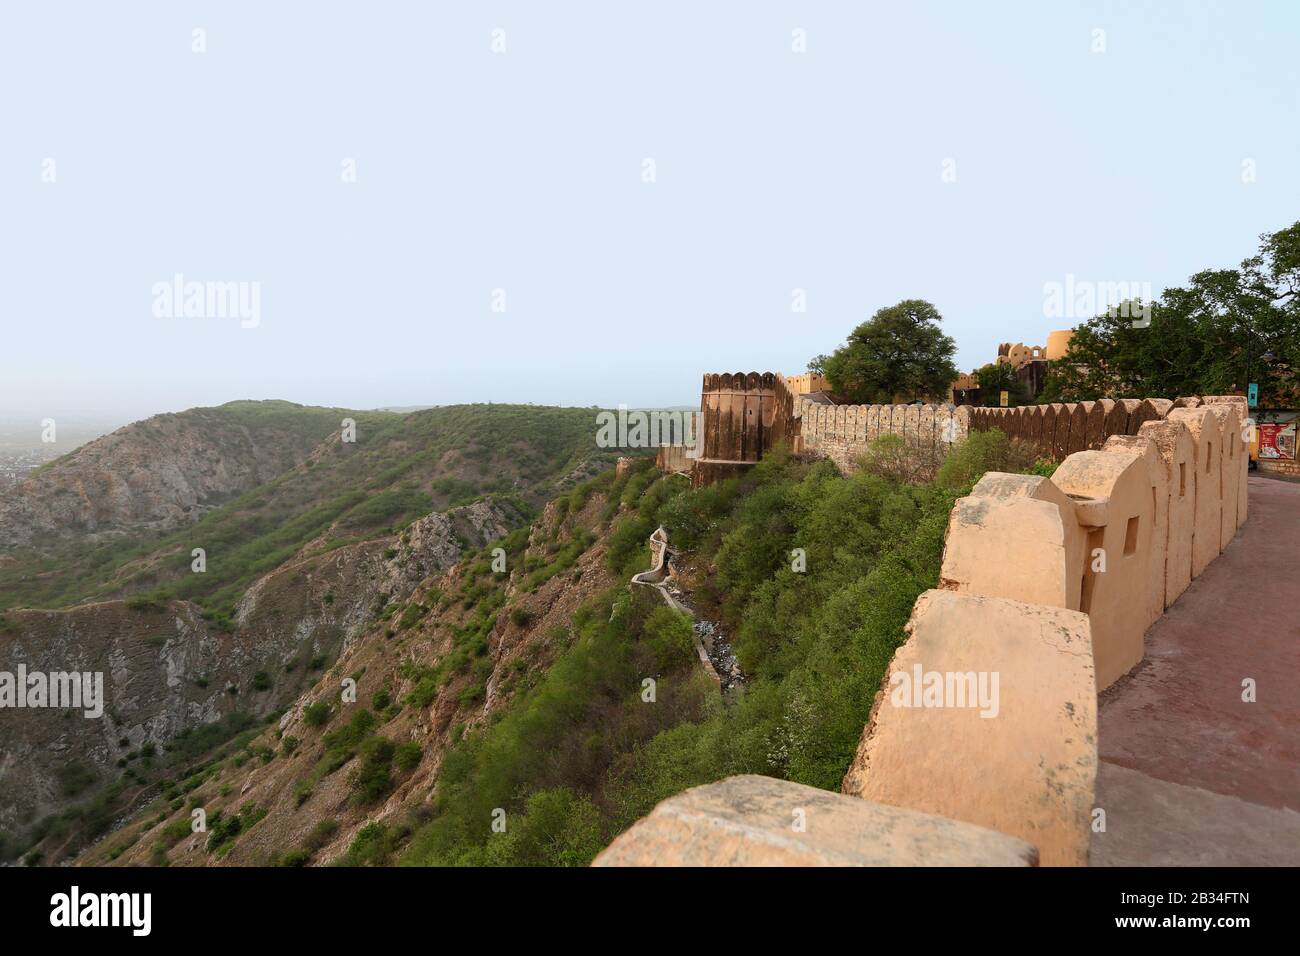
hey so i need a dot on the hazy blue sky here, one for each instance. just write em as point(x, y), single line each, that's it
point(522, 171)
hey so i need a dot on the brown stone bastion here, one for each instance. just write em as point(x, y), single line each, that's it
point(1047, 589)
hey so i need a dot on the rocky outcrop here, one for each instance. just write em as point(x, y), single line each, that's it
point(395, 658)
point(325, 600)
point(167, 670)
point(163, 671)
point(161, 473)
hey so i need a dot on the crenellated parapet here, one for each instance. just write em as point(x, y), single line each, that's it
point(745, 415)
point(1061, 428)
point(987, 715)
point(844, 433)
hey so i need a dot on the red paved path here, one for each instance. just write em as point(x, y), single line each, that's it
point(1179, 716)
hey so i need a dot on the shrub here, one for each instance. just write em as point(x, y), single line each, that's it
point(424, 692)
point(979, 452)
point(146, 602)
point(408, 755)
point(411, 615)
point(224, 830)
point(341, 744)
point(558, 828)
point(372, 780)
point(629, 548)
point(316, 714)
point(372, 846)
point(669, 638)
point(320, 835)
point(176, 831)
point(901, 458)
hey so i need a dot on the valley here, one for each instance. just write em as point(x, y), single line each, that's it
point(333, 538)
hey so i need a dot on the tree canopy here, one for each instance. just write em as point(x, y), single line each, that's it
point(995, 379)
point(900, 353)
point(1226, 328)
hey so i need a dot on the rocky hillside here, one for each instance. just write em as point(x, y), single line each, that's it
point(335, 493)
point(177, 682)
point(161, 473)
point(428, 670)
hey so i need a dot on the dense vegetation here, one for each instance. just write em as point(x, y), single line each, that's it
point(994, 379)
point(1226, 328)
point(899, 354)
point(584, 754)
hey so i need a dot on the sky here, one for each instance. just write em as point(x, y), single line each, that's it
point(595, 203)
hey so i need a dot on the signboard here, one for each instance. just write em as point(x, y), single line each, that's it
point(1252, 395)
point(1005, 397)
point(1276, 441)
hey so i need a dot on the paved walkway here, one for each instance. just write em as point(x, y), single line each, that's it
point(1190, 774)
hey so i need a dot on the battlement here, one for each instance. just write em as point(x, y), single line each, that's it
point(1047, 587)
point(745, 415)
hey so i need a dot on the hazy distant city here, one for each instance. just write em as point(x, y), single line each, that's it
point(22, 450)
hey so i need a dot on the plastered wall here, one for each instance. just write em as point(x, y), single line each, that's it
point(1046, 591)
point(1038, 573)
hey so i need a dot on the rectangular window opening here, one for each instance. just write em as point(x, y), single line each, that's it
point(1131, 536)
point(1093, 553)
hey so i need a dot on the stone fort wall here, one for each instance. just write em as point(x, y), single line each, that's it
point(1049, 584)
point(843, 433)
point(745, 415)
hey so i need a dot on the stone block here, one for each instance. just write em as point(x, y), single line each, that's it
point(1015, 536)
point(1112, 493)
point(760, 821)
point(1030, 769)
point(1207, 437)
point(1159, 483)
point(1177, 454)
point(1234, 415)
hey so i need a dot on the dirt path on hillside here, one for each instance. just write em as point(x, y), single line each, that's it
point(711, 644)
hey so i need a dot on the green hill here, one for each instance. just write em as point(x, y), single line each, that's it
point(400, 467)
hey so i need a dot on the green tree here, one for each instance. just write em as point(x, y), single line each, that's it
point(994, 379)
point(900, 353)
point(1226, 328)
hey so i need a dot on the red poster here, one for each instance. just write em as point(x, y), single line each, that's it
point(1277, 441)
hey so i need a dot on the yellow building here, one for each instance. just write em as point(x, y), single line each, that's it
point(805, 383)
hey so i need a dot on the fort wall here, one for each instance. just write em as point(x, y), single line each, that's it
point(1131, 523)
point(843, 433)
point(1047, 589)
point(745, 415)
